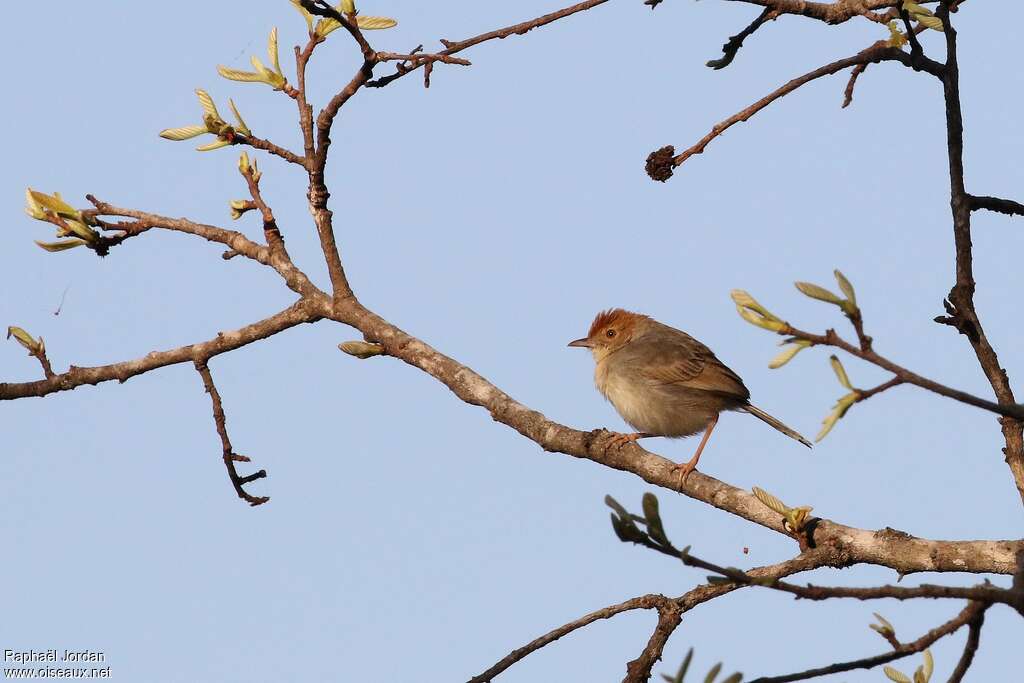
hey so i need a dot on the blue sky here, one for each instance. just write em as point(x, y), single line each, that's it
point(409, 537)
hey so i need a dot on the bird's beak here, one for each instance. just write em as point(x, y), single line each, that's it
point(582, 343)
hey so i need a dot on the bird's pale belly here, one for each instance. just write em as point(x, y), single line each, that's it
point(653, 409)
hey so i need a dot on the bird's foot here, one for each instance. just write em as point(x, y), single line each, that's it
point(617, 441)
point(684, 470)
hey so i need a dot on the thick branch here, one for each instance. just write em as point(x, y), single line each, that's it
point(969, 613)
point(295, 314)
point(845, 545)
point(229, 455)
point(830, 12)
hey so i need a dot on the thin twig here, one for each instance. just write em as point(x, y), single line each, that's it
point(830, 338)
point(970, 648)
point(735, 42)
point(1005, 206)
point(229, 455)
point(661, 162)
point(920, 645)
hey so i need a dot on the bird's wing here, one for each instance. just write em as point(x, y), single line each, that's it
point(677, 358)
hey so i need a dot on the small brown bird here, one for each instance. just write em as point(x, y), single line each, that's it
point(663, 382)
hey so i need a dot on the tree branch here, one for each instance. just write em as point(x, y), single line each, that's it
point(733, 45)
point(660, 163)
point(639, 669)
point(846, 545)
point(452, 47)
point(296, 314)
point(830, 338)
point(970, 648)
point(963, 314)
point(965, 616)
point(1005, 206)
point(229, 455)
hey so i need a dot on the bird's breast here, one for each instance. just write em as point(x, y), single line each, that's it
point(651, 407)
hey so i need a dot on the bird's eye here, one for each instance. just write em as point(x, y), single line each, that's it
point(610, 333)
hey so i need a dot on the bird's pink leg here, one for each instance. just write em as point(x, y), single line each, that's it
point(620, 440)
point(690, 466)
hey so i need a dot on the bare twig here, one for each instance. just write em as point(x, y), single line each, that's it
point(965, 616)
point(661, 162)
point(644, 602)
point(963, 314)
point(831, 338)
point(230, 457)
point(452, 47)
point(296, 314)
point(735, 42)
point(970, 648)
point(852, 83)
point(1005, 206)
point(639, 669)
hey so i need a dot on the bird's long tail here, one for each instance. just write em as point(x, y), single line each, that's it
point(761, 415)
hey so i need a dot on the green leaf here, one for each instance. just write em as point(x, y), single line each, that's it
point(710, 678)
point(207, 103)
point(242, 128)
point(183, 133)
point(23, 338)
point(788, 353)
point(840, 371)
point(653, 517)
point(305, 14)
point(216, 144)
point(236, 75)
point(273, 53)
point(375, 23)
point(735, 678)
point(60, 246)
point(685, 666)
point(54, 203)
point(929, 665)
point(820, 293)
point(846, 287)
point(894, 675)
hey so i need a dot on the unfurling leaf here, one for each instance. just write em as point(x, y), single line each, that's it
point(272, 52)
point(361, 349)
point(183, 133)
point(735, 678)
point(239, 207)
point(347, 6)
point(713, 673)
point(883, 627)
point(243, 163)
point(236, 75)
point(770, 501)
point(305, 14)
point(25, 339)
point(209, 108)
point(840, 371)
point(838, 411)
point(929, 665)
point(895, 675)
point(754, 313)
point(897, 38)
point(923, 15)
point(60, 246)
point(42, 202)
point(819, 293)
point(846, 287)
point(787, 354)
point(655, 529)
point(242, 128)
point(216, 144)
point(375, 23)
